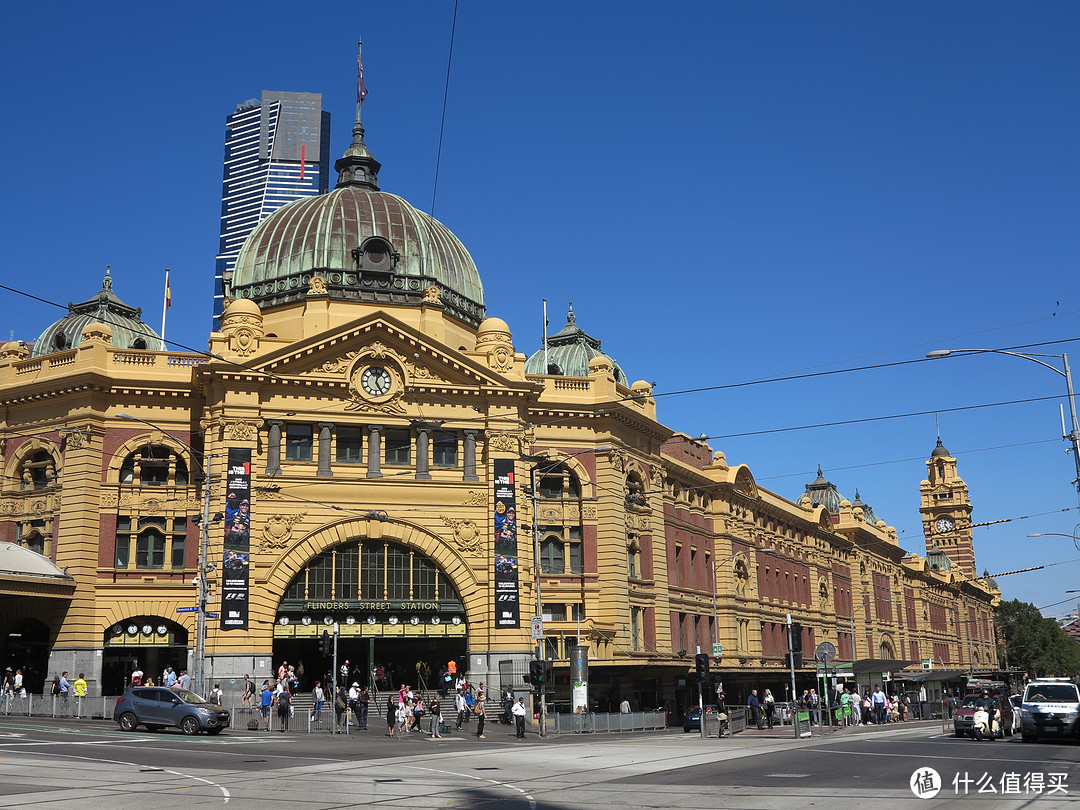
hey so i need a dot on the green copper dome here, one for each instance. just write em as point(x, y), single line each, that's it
point(368, 245)
point(569, 352)
point(128, 329)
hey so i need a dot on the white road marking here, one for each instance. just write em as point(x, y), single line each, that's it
point(530, 799)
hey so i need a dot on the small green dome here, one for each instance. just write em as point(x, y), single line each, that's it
point(569, 352)
point(128, 329)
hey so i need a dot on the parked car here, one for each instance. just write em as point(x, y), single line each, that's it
point(962, 720)
point(1051, 708)
point(158, 706)
point(692, 717)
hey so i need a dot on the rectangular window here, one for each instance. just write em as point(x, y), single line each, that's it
point(150, 549)
point(373, 571)
point(350, 445)
point(398, 448)
point(123, 540)
point(298, 442)
point(154, 472)
point(320, 577)
point(179, 543)
point(425, 579)
point(637, 616)
point(577, 612)
point(346, 565)
point(555, 612)
point(577, 561)
point(398, 565)
point(551, 648)
point(551, 555)
point(444, 449)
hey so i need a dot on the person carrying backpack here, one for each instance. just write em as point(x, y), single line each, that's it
point(283, 699)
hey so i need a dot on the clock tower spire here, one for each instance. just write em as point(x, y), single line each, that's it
point(946, 511)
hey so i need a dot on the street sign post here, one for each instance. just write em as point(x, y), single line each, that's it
point(187, 610)
point(537, 628)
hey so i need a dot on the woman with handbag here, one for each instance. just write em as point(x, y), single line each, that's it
point(480, 710)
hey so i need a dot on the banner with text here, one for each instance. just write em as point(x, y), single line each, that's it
point(507, 612)
point(237, 560)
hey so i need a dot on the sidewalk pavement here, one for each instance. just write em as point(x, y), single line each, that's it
point(778, 732)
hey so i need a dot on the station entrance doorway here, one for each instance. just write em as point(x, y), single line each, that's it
point(399, 617)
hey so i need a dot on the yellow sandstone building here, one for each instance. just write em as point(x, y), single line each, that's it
point(365, 441)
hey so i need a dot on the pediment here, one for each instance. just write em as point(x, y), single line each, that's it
point(340, 357)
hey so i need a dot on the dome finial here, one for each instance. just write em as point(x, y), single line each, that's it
point(570, 317)
point(358, 167)
point(107, 283)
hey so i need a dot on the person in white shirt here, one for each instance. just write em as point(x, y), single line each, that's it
point(216, 695)
point(519, 712)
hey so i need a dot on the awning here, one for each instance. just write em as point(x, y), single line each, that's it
point(892, 665)
point(932, 675)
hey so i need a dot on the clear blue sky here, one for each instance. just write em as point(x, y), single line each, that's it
point(726, 191)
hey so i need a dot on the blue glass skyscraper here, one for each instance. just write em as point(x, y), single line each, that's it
point(277, 149)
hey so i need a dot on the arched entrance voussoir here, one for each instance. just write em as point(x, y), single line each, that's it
point(450, 561)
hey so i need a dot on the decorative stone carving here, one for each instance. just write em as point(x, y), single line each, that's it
point(418, 372)
point(277, 531)
point(76, 440)
point(240, 430)
point(97, 333)
point(589, 512)
point(658, 475)
point(467, 534)
point(475, 498)
point(432, 295)
point(618, 458)
point(317, 286)
point(152, 506)
point(338, 365)
point(242, 322)
point(109, 500)
point(8, 507)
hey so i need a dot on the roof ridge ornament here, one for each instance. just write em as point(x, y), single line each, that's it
point(357, 166)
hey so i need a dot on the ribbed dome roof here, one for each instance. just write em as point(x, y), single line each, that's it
point(125, 322)
point(323, 235)
point(939, 450)
point(569, 352)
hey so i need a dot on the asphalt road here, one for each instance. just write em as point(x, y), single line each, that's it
point(83, 764)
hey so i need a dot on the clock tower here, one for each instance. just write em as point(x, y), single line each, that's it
point(946, 511)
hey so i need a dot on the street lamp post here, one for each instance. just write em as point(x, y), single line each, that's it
point(534, 480)
point(1073, 537)
point(1072, 435)
point(199, 677)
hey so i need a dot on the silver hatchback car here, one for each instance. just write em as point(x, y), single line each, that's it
point(159, 706)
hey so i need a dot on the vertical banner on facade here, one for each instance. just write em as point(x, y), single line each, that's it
point(507, 612)
point(237, 559)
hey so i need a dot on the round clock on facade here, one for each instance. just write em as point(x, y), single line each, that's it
point(394, 620)
point(283, 620)
point(327, 619)
point(435, 620)
point(376, 381)
point(414, 620)
point(147, 629)
point(133, 630)
point(371, 620)
point(306, 620)
point(350, 620)
point(162, 630)
point(944, 524)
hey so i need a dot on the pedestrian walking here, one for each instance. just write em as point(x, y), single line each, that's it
point(363, 703)
point(754, 706)
point(318, 697)
point(391, 716)
point(770, 707)
point(216, 695)
point(247, 697)
point(283, 700)
point(266, 699)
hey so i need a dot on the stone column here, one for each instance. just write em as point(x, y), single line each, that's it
point(273, 447)
point(324, 450)
point(374, 451)
point(470, 456)
point(423, 450)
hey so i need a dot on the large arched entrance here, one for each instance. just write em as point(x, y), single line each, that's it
point(149, 643)
point(398, 614)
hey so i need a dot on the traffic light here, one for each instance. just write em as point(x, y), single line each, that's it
point(701, 666)
point(536, 672)
point(793, 660)
point(326, 644)
point(796, 637)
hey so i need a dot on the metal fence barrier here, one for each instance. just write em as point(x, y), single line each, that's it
point(600, 723)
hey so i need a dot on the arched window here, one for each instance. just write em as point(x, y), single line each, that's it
point(154, 466)
point(38, 471)
point(552, 551)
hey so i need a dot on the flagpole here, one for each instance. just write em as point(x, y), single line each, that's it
point(165, 304)
point(545, 338)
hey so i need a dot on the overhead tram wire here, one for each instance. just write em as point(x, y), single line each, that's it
point(442, 121)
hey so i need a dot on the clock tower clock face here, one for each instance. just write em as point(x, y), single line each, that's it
point(376, 381)
point(944, 524)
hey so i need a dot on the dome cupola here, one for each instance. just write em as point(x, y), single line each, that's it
point(569, 352)
point(370, 246)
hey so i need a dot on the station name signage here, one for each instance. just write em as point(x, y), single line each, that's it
point(380, 606)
